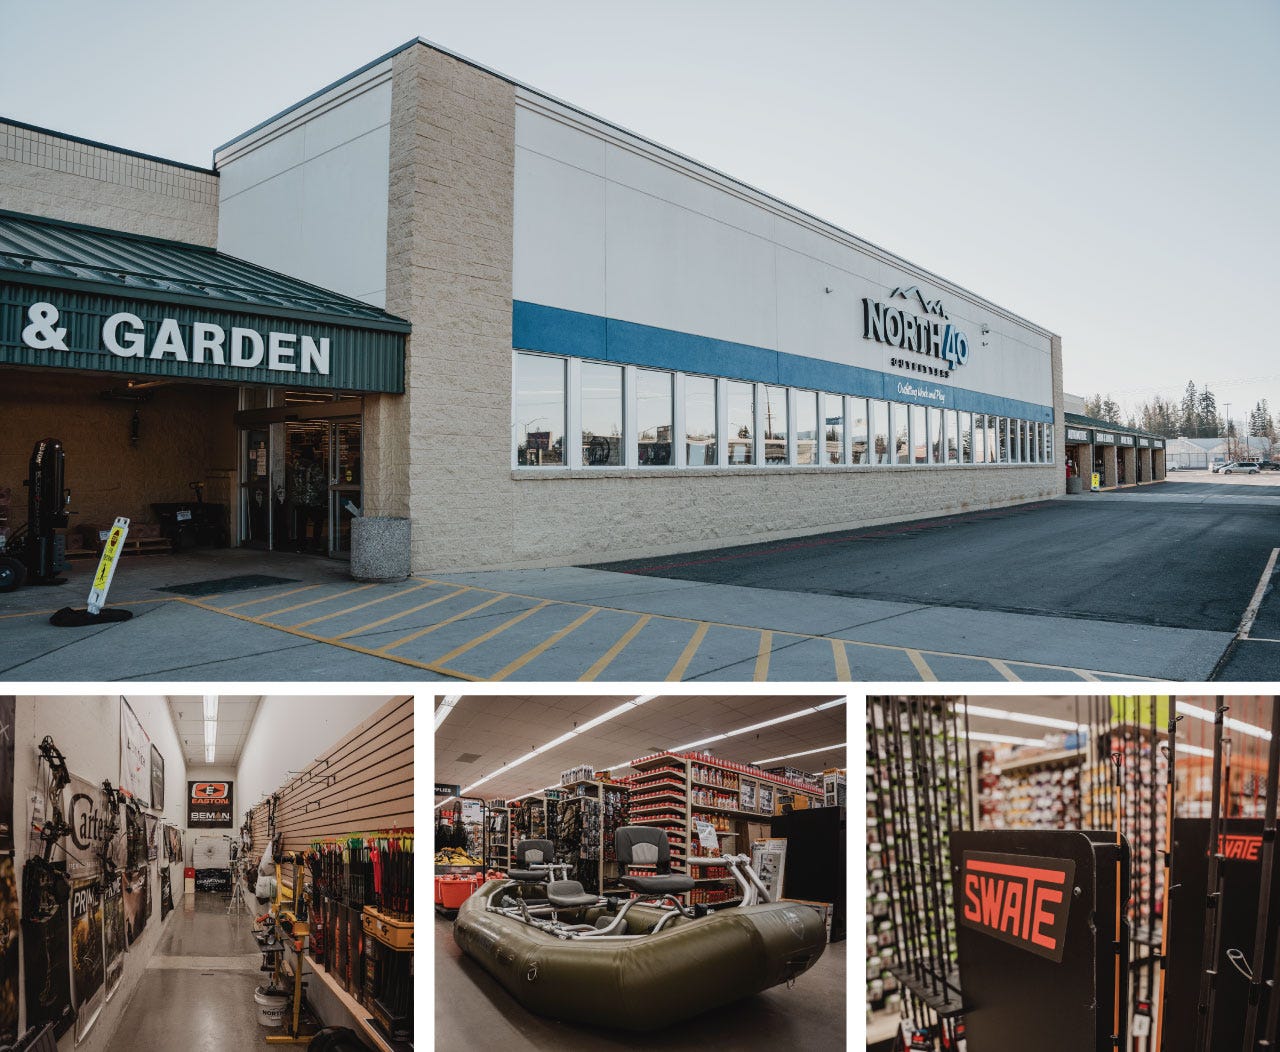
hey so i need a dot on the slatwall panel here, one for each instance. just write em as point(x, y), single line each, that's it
point(258, 827)
point(364, 783)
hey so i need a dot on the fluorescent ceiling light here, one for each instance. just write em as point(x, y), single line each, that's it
point(1207, 715)
point(831, 704)
point(209, 752)
point(626, 706)
point(211, 707)
point(444, 708)
point(1006, 739)
point(1019, 717)
point(695, 745)
point(760, 726)
point(793, 755)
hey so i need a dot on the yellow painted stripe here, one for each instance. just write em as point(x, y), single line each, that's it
point(264, 598)
point(361, 606)
point(403, 613)
point(841, 656)
point(312, 602)
point(354, 648)
point(440, 624)
point(678, 670)
point(762, 657)
point(1087, 676)
point(510, 623)
point(607, 657)
point(1003, 669)
point(542, 648)
point(922, 666)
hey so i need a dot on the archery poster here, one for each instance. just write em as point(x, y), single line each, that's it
point(7, 709)
point(90, 823)
point(113, 941)
point(136, 906)
point(8, 953)
point(135, 755)
point(152, 824)
point(173, 843)
point(87, 970)
point(46, 964)
point(166, 893)
point(135, 836)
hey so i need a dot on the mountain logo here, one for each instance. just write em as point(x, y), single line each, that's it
point(930, 306)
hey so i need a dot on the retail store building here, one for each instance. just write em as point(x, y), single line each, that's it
point(1120, 456)
point(546, 340)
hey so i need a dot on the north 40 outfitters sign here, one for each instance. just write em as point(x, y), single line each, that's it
point(1019, 899)
point(209, 805)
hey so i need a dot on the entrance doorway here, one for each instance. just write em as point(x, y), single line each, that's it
point(301, 476)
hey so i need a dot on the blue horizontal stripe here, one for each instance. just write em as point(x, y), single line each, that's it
point(535, 327)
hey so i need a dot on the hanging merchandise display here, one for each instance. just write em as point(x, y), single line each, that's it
point(46, 892)
point(87, 966)
point(151, 825)
point(8, 704)
point(9, 917)
point(135, 834)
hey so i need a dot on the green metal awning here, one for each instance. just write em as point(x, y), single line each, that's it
point(80, 297)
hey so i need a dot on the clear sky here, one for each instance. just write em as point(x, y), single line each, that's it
point(1106, 169)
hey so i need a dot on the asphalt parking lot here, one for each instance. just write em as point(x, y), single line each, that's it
point(1174, 581)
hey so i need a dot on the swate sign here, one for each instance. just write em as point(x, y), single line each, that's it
point(209, 805)
point(1018, 899)
point(198, 343)
point(1241, 847)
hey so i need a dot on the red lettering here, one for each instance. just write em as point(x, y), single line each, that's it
point(1043, 918)
point(991, 893)
point(972, 909)
point(1012, 907)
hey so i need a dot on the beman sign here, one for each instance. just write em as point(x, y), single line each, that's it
point(209, 805)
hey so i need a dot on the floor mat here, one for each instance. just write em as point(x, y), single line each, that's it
point(227, 584)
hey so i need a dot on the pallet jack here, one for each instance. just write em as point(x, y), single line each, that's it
point(36, 553)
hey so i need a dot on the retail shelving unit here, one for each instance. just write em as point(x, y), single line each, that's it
point(498, 821)
point(1039, 792)
point(675, 791)
point(589, 842)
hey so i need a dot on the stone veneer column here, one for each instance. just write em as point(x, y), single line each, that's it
point(441, 454)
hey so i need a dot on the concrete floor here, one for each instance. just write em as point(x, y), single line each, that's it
point(197, 992)
point(475, 1014)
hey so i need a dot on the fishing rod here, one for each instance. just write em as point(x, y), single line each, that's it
point(1261, 932)
point(1171, 785)
point(1212, 945)
point(1117, 761)
point(1142, 1025)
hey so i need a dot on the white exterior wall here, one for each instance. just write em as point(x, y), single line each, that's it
point(87, 731)
point(287, 734)
point(307, 193)
point(611, 226)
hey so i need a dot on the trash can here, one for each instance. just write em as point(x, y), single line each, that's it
point(379, 548)
point(1075, 484)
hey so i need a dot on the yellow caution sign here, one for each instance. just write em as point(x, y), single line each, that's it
point(1095, 482)
point(107, 565)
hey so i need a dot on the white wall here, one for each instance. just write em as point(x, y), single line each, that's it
point(288, 733)
point(87, 732)
point(307, 194)
point(608, 225)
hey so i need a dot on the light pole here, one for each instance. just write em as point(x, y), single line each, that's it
point(1228, 454)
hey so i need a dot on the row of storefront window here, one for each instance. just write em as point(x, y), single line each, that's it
point(573, 413)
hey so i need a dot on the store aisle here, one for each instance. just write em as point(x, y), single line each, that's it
point(475, 1014)
point(197, 991)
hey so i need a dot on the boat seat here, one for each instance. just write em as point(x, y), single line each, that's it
point(529, 852)
point(648, 846)
point(662, 884)
point(568, 894)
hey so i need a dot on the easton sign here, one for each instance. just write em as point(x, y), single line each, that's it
point(209, 805)
point(1018, 899)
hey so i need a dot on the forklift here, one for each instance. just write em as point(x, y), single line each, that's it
point(36, 553)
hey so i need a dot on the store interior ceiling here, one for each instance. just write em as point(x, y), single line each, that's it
point(508, 747)
point(1012, 717)
point(213, 728)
